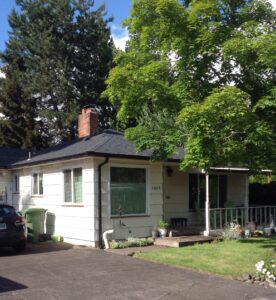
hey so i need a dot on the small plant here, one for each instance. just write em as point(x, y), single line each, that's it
point(163, 224)
point(258, 233)
point(232, 231)
point(130, 242)
point(56, 238)
point(266, 270)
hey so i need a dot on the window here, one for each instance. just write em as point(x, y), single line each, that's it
point(3, 194)
point(37, 184)
point(16, 184)
point(128, 191)
point(217, 190)
point(73, 185)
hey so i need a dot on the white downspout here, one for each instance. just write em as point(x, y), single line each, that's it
point(207, 206)
point(106, 245)
point(246, 198)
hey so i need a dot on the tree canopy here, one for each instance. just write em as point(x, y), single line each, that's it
point(207, 66)
point(56, 60)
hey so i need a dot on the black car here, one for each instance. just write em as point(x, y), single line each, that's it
point(12, 228)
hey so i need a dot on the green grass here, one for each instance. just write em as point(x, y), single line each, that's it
point(227, 258)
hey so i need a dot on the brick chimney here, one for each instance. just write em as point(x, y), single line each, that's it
point(88, 122)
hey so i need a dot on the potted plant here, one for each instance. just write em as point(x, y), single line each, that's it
point(162, 228)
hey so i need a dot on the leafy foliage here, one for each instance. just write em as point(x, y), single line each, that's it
point(156, 131)
point(210, 67)
point(222, 129)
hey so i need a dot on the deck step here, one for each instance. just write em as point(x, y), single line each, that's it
point(182, 241)
point(185, 231)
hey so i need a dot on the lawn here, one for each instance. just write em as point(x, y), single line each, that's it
point(229, 258)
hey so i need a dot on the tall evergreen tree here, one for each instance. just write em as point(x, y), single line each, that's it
point(65, 52)
point(17, 126)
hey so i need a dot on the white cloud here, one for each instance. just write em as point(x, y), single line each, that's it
point(120, 36)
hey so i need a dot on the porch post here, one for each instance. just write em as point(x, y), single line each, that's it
point(246, 198)
point(207, 206)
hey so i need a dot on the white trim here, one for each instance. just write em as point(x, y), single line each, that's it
point(130, 166)
point(55, 162)
point(246, 198)
point(237, 169)
point(72, 186)
point(38, 180)
point(15, 181)
point(207, 206)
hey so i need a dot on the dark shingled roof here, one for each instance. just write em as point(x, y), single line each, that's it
point(109, 143)
point(9, 156)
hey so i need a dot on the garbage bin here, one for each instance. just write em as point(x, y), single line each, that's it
point(35, 222)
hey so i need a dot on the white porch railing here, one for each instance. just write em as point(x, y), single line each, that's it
point(261, 215)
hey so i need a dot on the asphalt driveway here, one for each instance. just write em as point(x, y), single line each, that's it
point(61, 271)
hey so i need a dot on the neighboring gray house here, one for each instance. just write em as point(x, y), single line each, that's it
point(99, 182)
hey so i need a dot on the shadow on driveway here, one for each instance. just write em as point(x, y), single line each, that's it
point(43, 247)
point(7, 285)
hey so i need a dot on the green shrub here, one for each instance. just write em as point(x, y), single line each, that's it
point(131, 242)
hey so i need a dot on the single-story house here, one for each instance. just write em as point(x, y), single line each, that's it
point(99, 182)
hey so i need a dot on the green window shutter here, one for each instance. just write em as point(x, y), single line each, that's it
point(67, 186)
point(77, 174)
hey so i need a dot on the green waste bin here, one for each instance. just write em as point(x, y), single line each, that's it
point(35, 222)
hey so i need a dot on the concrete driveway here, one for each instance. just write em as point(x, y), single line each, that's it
point(60, 271)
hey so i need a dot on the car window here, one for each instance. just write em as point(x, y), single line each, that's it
point(7, 211)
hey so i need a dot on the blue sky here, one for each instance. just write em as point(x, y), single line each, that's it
point(119, 9)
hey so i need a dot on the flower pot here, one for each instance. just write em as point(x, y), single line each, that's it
point(163, 232)
point(267, 231)
point(247, 233)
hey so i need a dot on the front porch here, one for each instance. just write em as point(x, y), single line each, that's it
point(204, 202)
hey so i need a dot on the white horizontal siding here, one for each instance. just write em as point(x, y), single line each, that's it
point(73, 223)
point(176, 195)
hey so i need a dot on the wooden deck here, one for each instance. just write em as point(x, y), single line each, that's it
point(182, 241)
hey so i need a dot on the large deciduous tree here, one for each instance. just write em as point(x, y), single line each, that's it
point(210, 68)
point(56, 60)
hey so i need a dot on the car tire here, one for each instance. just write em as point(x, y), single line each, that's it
point(19, 247)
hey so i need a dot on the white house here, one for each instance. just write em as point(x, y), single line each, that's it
point(99, 182)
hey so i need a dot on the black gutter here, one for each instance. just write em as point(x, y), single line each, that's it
point(100, 201)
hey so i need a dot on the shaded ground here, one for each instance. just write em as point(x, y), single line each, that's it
point(63, 272)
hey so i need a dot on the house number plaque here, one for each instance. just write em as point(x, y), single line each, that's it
point(156, 188)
